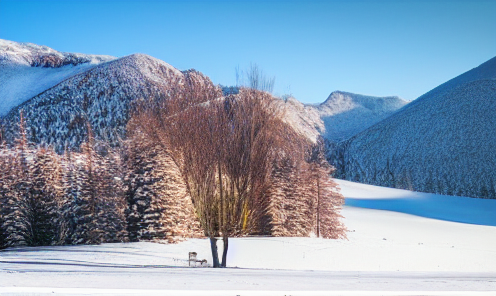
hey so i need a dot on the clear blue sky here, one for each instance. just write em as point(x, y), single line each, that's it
point(402, 48)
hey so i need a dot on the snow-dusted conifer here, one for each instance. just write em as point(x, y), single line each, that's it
point(86, 229)
point(139, 191)
point(45, 220)
point(324, 201)
point(16, 219)
point(111, 205)
point(6, 191)
point(287, 207)
point(71, 193)
point(159, 206)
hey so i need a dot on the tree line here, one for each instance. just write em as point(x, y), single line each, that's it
point(194, 164)
point(245, 169)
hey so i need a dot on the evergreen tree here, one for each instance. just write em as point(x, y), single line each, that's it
point(288, 207)
point(84, 208)
point(111, 205)
point(16, 222)
point(324, 201)
point(6, 185)
point(46, 222)
point(139, 190)
point(158, 204)
point(72, 192)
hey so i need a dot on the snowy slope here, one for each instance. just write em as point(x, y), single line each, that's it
point(346, 114)
point(56, 89)
point(305, 119)
point(27, 69)
point(341, 116)
point(385, 250)
point(435, 206)
point(101, 95)
point(442, 143)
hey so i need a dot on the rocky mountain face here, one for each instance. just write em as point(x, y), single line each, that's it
point(443, 142)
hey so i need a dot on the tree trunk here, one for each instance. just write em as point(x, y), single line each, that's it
point(215, 254)
point(225, 240)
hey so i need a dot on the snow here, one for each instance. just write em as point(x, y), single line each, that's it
point(460, 209)
point(443, 142)
point(341, 116)
point(19, 81)
point(385, 250)
point(346, 114)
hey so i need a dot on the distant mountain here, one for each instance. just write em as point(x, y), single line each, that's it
point(341, 116)
point(100, 94)
point(60, 92)
point(346, 114)
point(443, 142)
point(28, 69)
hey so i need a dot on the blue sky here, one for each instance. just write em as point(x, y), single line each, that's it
point(312, 48)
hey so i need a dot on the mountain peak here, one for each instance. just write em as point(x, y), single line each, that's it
point(339, 95)
point(28, 54)
point(28, 69)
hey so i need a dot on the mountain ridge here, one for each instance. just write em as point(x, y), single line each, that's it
point(101, 96)
point(28, 69)
point(80, 79)
point(441, 143)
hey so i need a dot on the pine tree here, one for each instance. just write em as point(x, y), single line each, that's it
point(139, 191)
point(288, 209)
point(111, 204)
point(177, 217)
point(30, 195)
point(16, 222)
point(85, 207)
point(46, 222)
point(324, 199)
point(6, 185)
point(158, 204)
point(71, 193)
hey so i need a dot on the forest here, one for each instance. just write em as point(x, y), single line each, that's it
point(193, 164)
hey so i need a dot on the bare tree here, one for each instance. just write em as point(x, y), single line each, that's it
point(224, 149)
point(255, 78)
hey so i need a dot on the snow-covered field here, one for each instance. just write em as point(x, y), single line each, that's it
point(385, 251)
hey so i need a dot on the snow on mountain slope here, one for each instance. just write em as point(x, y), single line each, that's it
point(442, 143)
point(346, 114)
point(486, 70)
point(341, 116)
point(100, 95)
point(305, 119)
point(27, 69)
point(39, 78)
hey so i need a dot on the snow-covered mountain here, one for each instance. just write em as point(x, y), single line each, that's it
point(443, 142)
point(60, 91)
point(341, 116)
point(100, 94)
point(28, 69)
